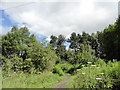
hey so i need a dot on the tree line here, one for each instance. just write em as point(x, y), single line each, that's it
point(21, 51)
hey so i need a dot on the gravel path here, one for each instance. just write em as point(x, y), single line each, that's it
point(62, 83)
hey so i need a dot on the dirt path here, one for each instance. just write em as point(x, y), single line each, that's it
point(62, 83)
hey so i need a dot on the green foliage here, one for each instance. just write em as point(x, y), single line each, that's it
point(0, 77)
point(57, 69)
point(43, 58)
point(62, 68)
point(25, 80)
point(74, 41)
point(14, 63)
point(97, 75)
point(53, 41)
point(86, 54)
point(109, 40)
point(112, 70)
point(22, 52)
point(15, 41)
point(66, 67)
point(28, 66)
point(74, 69)
point(69, 56)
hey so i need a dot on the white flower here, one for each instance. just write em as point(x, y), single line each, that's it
point(89, 62)
point(102, 73)
point(93, 65)
point(98, 78)
point(78, 69)
point(83, 73)
point(83, 65)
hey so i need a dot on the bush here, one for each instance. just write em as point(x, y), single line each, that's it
point(62, 68)
point(42, 57)
point(57, 69)
point(84, 57)
point(14, 63)
point(74, 68)
point(65, 67)
point(28, 66)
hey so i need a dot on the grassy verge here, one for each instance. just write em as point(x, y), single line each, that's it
point(22, 80)
point(0, 78)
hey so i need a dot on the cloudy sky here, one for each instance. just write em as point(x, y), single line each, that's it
point(54, 17)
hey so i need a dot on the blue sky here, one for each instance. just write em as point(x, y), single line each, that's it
point(7, 22)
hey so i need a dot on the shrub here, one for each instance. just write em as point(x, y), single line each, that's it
point(14, 63)
point(57, 69)
point(28, 66)
point(65, 67)
point(42, 57)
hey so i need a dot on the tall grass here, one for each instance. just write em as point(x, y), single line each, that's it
point(24, 80)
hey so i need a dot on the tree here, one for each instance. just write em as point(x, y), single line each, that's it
point(69, 56)
point(16, 41)
point(53, 41)
point(74, 41)
point(85, 54)
point(43, 58)
point(109, 40)
point(61, 48)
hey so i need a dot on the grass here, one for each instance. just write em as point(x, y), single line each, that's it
point(96, 75)
point(23, 80)
point(0, 77)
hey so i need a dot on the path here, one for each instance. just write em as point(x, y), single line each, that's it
point(62, 83)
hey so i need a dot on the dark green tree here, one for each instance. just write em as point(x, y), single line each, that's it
point(74, 39)
point(61, 48)
point(53, 41)
point(109, 40)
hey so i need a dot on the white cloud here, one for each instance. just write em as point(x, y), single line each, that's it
point(56, 18)
point(48, 39)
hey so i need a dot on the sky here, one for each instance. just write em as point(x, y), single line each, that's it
point(54, 17)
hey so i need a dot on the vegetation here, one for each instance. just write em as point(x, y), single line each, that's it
point(92, 60)
point(23, 80)
point(97, 75)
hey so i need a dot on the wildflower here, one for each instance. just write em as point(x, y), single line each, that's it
point(98, 78)
point(89, 62)
point(93, 65)
point(83, 65)
point(102, 73)
point(78, 69)
point(83, 73)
